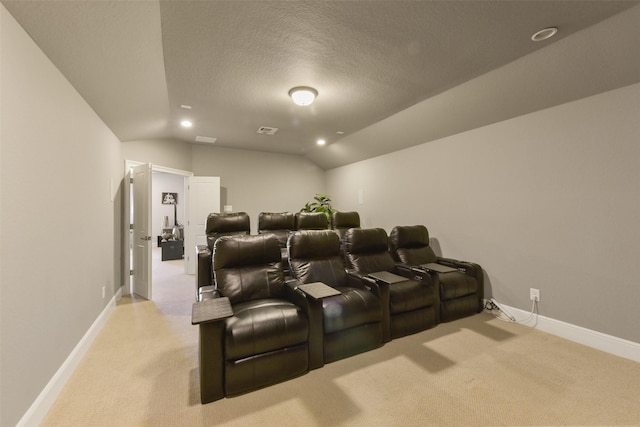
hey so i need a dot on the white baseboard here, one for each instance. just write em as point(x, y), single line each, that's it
point(598, 340)
point(39, 408)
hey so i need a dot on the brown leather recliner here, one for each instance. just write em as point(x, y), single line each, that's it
point(226, 224)
point(411, 302)
point(278, 223)
point(218, 224)
point(263, 337)
point(351, 321)
point(281, 224)
point(342, 221)
point(460, 291)
point(311, 221)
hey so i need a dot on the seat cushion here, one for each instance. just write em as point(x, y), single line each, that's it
point(353, 307)
point(456, 284)
point(410, 295)
point(263, 325)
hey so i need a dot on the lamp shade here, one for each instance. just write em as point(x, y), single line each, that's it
point(303, 95)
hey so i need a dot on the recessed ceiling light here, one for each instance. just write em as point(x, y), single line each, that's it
point(321, 142)
point(186, 123)
point(186, 107)
point(340, 132)
point(303, 95)
point(545, 33)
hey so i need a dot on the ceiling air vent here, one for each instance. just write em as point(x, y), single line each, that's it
point(206, 139)
point(267, 130)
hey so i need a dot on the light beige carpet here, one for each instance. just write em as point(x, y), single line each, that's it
point(142, 370)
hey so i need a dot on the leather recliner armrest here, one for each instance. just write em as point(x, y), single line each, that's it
point(296, 296)
point(209, 316)
point(470, 269)
point(407, 271)
point(313, 309)
point(380, 290)
point(203, 271)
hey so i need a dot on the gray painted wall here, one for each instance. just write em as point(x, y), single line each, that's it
point(60, 174)
point(550, 200)
point(163, 152)
point(253, 181)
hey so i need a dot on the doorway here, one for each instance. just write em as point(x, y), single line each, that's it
point(163, 180)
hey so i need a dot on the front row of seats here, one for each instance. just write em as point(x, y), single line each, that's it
point(257, 329)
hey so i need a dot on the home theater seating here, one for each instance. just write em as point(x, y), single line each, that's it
point(279, 224)
point(461, 292)
point(265, 340)
point(410, 305)
point(351, 319)
point(306, 291)
point(343, 221)
point(217, 225)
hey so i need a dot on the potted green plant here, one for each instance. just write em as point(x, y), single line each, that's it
point(320, 203)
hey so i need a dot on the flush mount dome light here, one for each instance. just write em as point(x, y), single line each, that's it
point(303, 95)
point(545, 33)
point(186, 123)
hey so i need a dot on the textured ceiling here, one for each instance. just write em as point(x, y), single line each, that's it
point(233, 62)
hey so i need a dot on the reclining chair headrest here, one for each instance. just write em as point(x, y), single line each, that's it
point(345, 220)
point(248, 267)
point(366, 250)
point(410, 236)
point(311, 221)
point(276, 221)
point(366, 240)
point(245, 250)
point(410, 245)
point(313, 244)
point(314, 256)
point(228, 223)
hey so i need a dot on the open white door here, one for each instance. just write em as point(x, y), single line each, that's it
point(142, 231)
point(203, 195)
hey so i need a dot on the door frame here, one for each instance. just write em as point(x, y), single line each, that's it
point(126, 214)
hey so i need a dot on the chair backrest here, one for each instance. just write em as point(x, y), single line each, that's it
point(278, 223)
point(342, 221)
point(248, 267)
point(366, 250)
point(314, 256)
point(226, 224)
point(311, 221)
point(410, 245)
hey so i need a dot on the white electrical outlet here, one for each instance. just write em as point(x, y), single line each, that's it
point(534, 294)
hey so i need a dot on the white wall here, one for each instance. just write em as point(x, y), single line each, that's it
point(550, 200)
point(60, 180)
point(254, 182)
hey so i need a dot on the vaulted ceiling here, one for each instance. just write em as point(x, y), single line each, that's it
point(449, 66)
